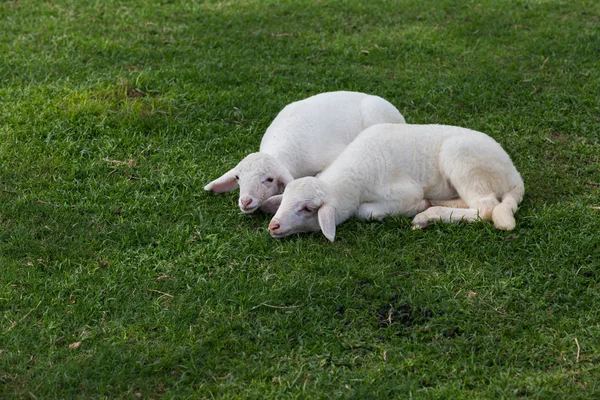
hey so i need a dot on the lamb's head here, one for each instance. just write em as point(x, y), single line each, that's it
point(259, 176)
point(305, 206)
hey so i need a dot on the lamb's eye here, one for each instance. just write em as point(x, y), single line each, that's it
point(237, 178)
point(307, 209)
point(269, 180)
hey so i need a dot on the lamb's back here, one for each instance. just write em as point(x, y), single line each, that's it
point(388, 153)
point(306, 136)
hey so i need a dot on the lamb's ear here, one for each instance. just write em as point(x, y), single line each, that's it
point(225, 183)
point(326, 215)
point(271, 205)
point(284, 180)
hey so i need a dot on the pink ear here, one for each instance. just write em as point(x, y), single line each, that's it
point(326, 215)
point(271, 205)
point(223, 184)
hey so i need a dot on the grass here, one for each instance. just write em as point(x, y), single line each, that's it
point(113, 115)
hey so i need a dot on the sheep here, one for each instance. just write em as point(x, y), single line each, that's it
point(394, 169)
point(304, 138)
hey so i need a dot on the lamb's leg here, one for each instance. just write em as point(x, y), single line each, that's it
point(475, 179)
point(456, 203)
point(444, 214)
point(401, 199)
point(381, 209)
point(481, 208)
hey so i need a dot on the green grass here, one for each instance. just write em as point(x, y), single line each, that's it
point(113, 115)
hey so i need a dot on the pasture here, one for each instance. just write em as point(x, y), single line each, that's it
point(120, 277)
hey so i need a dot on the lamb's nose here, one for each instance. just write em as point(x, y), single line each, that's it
point(246, 202)
point(273, 226)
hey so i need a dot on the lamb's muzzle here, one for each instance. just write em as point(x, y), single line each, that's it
point(248, 204)
point(275, 229)
point(274, 226)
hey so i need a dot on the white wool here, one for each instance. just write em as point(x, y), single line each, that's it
point(304, 138)
point(395, 169)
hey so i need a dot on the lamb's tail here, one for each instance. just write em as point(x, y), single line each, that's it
point(503, 213)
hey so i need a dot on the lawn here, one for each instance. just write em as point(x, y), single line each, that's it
point(120, 277)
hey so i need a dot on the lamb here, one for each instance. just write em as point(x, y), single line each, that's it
point(394, 169)
point(304, 138)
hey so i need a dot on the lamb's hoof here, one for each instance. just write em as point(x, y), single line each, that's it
point(505, 226)
point(420, 222)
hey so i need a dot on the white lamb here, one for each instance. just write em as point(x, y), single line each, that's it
point(304, 138)
point(393, 169)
